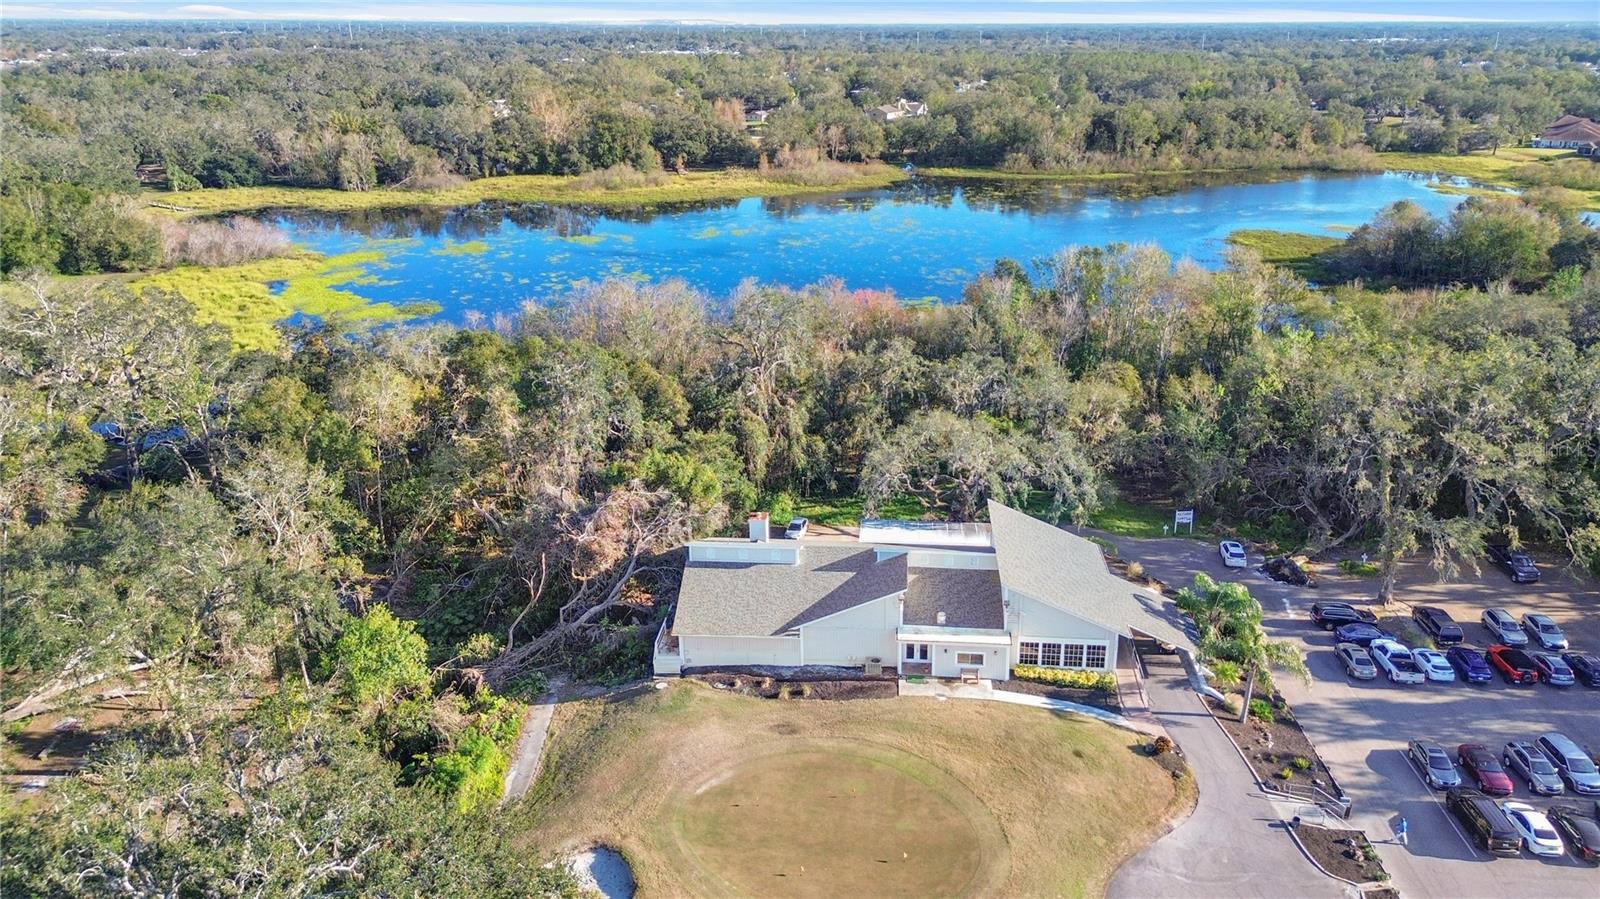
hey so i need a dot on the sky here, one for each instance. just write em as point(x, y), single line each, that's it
point(819, 12)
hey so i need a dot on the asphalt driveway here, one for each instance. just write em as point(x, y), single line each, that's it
point(1361, 729)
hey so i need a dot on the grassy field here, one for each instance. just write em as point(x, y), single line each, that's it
point(1296, 252)
point(1499, 170)
point(718, 185)
point(708, 793)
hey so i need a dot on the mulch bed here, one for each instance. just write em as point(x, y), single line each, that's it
point(1100, 699)
point(773, 688)
point(1343, 853)
point(1277, 748)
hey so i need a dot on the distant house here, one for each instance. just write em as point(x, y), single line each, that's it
point(499, 109)
point(920, 598)
point(967, 87)
point(757, 116)
point(1571, 132)
point(899, 109)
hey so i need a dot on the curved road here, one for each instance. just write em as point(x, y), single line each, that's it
point(1234, 844)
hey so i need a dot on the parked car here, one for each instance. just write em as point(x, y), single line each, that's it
point(1552, 670)
point(797, 528)
point(1585, 668)
point(1480, 763)
point(1287, 570)
point(1514, 665)
point(1484, 821)
point(1360, 633)
point(1503, 628)
point(1438, 624)
point(1434, 764)
point(1329, 615)
point(1395, 660)
point(1581, 832)
point(1470, 664)
point(1538, 836)
point(1544, 631)
point(1514, 562)
point(1525, 758)
point(1434, 665)
point(1357, 663)
point(1575, 765)
point(1232, 553)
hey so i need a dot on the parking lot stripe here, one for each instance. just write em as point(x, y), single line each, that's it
point(1448, 818)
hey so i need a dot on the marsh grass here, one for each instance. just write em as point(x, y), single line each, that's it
point(655, 189)
point(1297, 252)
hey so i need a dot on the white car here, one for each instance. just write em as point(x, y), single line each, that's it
point(1232, 553)
point(1396, 661)
point(1538, 835)
point(1434, 664)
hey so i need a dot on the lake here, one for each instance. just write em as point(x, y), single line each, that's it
point(924, 238)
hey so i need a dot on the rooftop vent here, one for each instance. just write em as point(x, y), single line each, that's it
point(939, 619)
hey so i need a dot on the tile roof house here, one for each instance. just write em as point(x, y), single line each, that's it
point(948, 600)
point(1571, 132)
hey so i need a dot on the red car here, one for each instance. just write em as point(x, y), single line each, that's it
point(1484, 766)
point(1514, 665)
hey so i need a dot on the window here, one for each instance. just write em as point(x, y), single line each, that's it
point(1072, 655)
point(911, 652)
point(916, 652)
point(969, 658)
point(1062, 655)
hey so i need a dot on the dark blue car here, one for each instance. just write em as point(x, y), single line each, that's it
point(1360, 633)
point(1469, 664)
point(1585, 667)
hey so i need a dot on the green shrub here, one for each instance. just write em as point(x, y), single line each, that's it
point(1104, 681)
point(1359, 568)
point(1285, 773)
point(781, 507)
point(1301, 763)
point(1260, 708)
point(472, 774)
point(379, 655)
point(1225, 675)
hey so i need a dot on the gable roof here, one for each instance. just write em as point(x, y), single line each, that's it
point(1572, 128)
point(765, 599)
point(1063, 570)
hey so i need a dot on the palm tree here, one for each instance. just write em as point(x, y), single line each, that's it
point(1228, 619)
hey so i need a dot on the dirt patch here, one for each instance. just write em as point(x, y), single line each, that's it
point(774, 688)
point(1100, 699)
point(1343, 853)
point(1278, 750)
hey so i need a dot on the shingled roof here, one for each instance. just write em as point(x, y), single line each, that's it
point(968, 597)
point(1044, 562)
point(755, 599)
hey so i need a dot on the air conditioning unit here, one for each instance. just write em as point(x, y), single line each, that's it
point(874, 667)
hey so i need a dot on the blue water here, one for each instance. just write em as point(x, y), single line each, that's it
point(922, 239)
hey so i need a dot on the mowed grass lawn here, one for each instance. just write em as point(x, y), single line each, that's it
point(709, 793)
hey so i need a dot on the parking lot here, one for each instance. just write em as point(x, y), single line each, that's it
point(1361, 728)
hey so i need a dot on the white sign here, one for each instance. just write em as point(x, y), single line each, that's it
point(1183, 516)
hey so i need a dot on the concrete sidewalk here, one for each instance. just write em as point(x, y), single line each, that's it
point(529, 751)
point(940, 689)
point(1234, 844)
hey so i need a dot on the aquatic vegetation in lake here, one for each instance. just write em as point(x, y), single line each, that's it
point(463, 248)
point(250, 299)
point(587, 240)
point(706, 233)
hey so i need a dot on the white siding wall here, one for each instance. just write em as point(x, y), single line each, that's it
point(932, 558)
point(996, 660)
point(854, 635)
point(1034, 620)
point(774, 553)
point(700, 652)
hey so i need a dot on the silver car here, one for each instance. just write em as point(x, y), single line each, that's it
point(1503, 628)
point(1356, 662)
point(1544, 630)
point(1434, 764)
point(1575, 765)
point(1530, 764)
